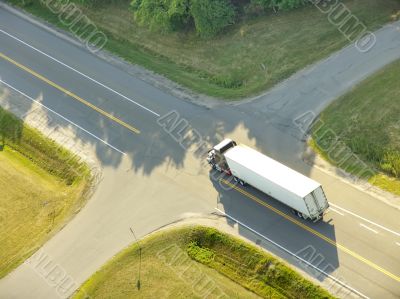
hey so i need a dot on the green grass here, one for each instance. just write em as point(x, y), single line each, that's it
point(39, 191)
point(248, 58)
point(44, 152)
point(366, 121)
point(178, 263)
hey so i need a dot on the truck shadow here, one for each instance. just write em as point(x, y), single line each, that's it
point(273, 226)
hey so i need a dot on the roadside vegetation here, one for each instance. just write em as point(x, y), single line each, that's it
point(42, 186)
point(367, 122)
point(197, 262)
point(227, 49)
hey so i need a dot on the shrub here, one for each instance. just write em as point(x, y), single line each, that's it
point(211, 16)
point(391, 163)
point(153, 13)
point(162, 15)
point(200, 254)
point(179, 14)
point(279, 4)
point(249, 266)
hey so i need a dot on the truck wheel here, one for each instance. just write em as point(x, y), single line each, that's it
point(235, 179)
point(300, 215)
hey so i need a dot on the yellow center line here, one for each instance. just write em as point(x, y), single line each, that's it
point(314, 232)
point(71, 94)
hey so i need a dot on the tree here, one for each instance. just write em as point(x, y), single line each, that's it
point(179, 14)
point(290, 4)
point(208, 16)
point(280, 4)
point(162, 15)
point(211, 16)
point(152, 13)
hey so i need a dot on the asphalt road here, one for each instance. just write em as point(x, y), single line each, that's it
point(150, 180)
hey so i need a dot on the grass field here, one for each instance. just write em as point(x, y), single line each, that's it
point(367, 121)
point(250, 57)
point(36, 199)
point(196, 262)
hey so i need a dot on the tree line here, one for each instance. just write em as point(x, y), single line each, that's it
point(206, 17)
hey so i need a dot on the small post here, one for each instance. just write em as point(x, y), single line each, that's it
point(140, 258)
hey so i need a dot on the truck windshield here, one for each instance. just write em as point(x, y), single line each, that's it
point(227, 146)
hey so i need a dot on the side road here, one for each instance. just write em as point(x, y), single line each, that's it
point(294, 104)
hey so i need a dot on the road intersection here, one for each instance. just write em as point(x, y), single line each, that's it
point(150, 180)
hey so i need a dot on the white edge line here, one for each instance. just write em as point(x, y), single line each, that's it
point(366, 220)
point(294, 255)
point(66, 119)
point(80, 73)
point(336, 211)
point(370, 229)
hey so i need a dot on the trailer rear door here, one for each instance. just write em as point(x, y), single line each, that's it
point(320, 197)
point(311, 205)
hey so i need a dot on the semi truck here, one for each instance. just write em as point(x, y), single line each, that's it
point(303, 195)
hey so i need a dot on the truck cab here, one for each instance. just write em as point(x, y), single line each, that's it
point(216, 158)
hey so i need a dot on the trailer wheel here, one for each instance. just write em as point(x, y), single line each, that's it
point(235, 179)
point(300, 215)
point(242, 182)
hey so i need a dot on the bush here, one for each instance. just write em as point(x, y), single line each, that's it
point(153, 13)
point(391, 163)
point(94, 2)
point(279, 4)
point(211, 16)
point(179, 14)
point(249, 266)
point(161, 15)
point(202, 255)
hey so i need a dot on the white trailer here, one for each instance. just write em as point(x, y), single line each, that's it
point(304, 195)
